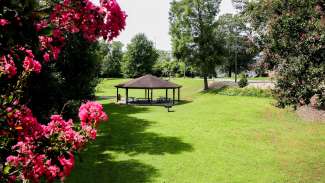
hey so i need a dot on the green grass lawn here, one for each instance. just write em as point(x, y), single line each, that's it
point(208, 139)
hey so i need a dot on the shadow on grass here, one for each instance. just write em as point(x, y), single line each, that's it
point(103, 98)
point(214, 90)
point(128, 134)
point(124, 134)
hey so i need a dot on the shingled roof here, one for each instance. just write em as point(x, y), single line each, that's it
point(148, 82)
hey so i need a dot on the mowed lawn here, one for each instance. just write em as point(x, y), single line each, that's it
point(209, 138)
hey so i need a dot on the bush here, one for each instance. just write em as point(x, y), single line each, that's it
point(243, 82)
point(75, 73)
point(251, 92)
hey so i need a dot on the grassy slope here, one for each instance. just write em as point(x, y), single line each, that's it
point(210, 139)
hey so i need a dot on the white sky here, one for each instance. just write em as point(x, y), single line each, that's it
point(151, 17)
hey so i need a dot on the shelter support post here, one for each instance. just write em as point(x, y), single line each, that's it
point(145, 94)
point(166, 94)
point(151, 95)
point(179, 95)
point(173, 95)
point(127, 96)
point(117, 95)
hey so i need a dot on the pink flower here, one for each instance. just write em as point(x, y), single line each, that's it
point(37, 67)
point(41, 25)
point(53, 172)
point(56, 52)
point(67, 164)
point(7, 66)
point(31, 65)
point(56, 33)
point(10, 69)
point(92, 113)
point(13, 160)
point(9, 109)
point(46, 57)
point(3, 22)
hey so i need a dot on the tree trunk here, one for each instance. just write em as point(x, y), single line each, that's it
point(229, 72)
point(206, 85)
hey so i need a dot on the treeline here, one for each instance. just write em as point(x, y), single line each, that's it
point(140, 58)
point(235, 53)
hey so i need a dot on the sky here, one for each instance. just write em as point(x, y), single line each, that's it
point(151, 17)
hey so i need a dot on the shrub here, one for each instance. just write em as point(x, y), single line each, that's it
point(251, 92)
point(75, 73)
point(243, 82)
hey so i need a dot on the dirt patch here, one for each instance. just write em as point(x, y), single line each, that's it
point(311, 114)
point(262, 85)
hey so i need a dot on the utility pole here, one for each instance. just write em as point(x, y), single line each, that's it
point(236, 55)
point(184, 70)
point(239, 6)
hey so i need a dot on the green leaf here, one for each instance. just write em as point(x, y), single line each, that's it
point(6, 170)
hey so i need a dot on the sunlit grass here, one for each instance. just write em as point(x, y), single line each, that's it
point(210, 138)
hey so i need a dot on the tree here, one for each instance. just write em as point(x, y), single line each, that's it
point(240, 48)
point(291, 34)
point(112, 59)
point(140, 57)
point(192, 28)
point(165, 66)
point(239, 5)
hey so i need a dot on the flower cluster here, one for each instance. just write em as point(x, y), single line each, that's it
point(19, 54)
point(80, 17)
point(47, 150)
point(7, 66)
point(29, 63)
point(3, 22)
point(91, 113)
point(67, 17)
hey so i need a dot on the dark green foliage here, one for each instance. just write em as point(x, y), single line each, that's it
point(236, 33)
point(294, 41)
point(140, 57)
point(192, 28)
point(243, 82)
point(111, 58)
point(65, 83)
point(166, 66)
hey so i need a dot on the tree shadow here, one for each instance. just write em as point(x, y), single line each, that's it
point(110, 170)
point(214, 90)
point(124, 133)
point(128, 134)
point(183, 102)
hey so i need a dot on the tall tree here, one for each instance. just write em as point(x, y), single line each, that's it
point(240, 47)
point(239, 5)
point(112, 59)
point(140, 57)
point(192, 28)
